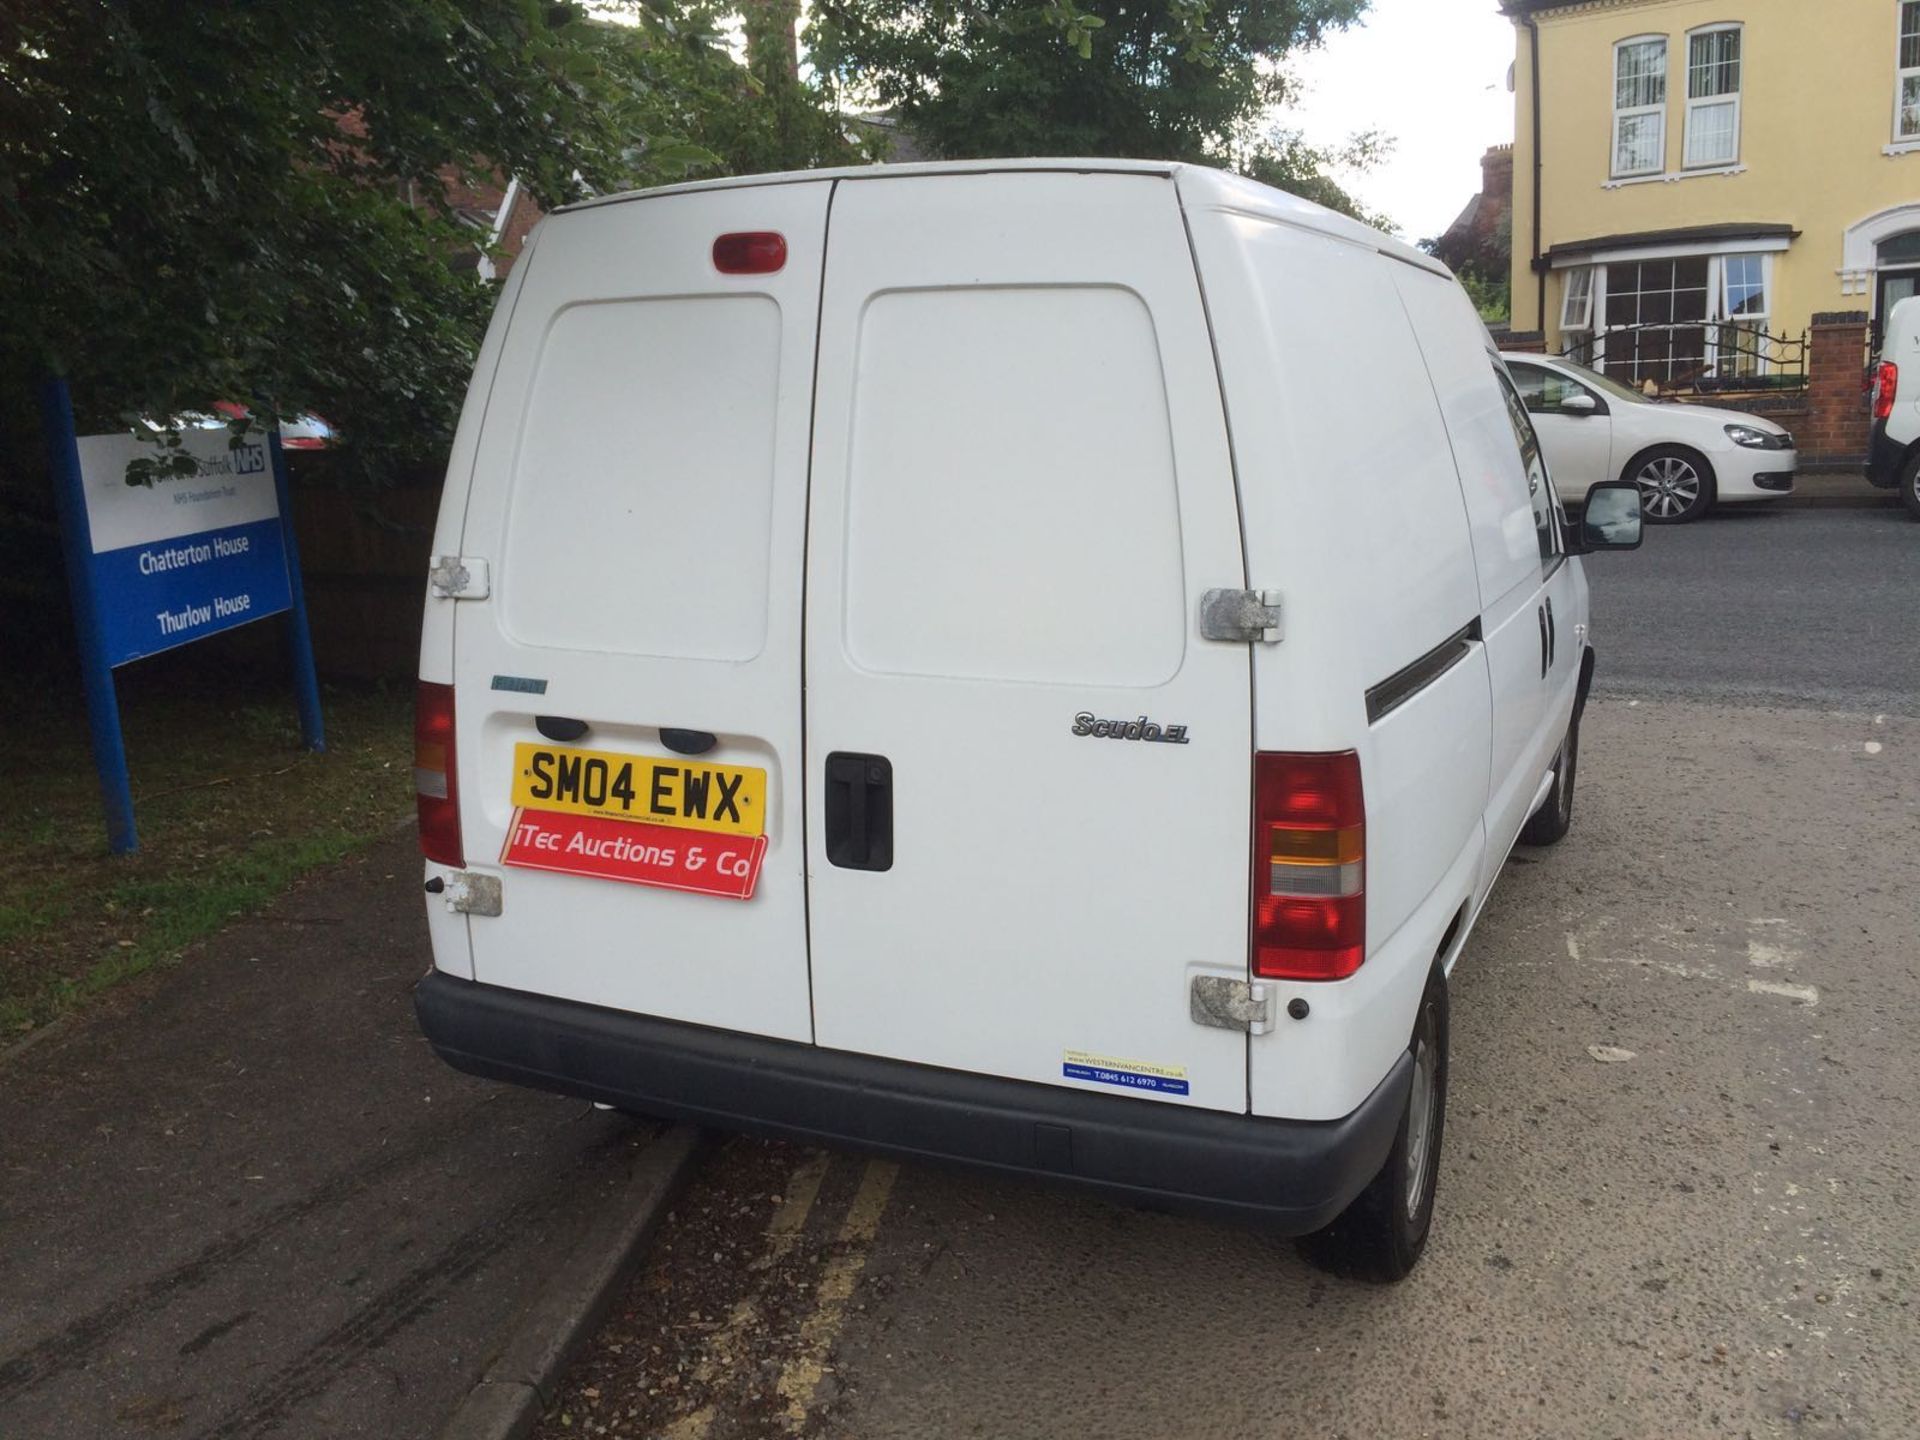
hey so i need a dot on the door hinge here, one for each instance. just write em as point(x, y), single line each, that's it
point(471, 893)
point(458, 577)
point(1228, 1004)
point(1246, 616)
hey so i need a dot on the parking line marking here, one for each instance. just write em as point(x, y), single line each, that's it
point(802, 1374)
point(783, 1231)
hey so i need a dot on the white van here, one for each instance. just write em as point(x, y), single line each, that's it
point(1028, 663)
point(1894, 458)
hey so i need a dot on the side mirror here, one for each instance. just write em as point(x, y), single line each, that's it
point(1579, 403)
point(1611, 518)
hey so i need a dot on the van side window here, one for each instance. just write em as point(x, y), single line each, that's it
point(1540, 493)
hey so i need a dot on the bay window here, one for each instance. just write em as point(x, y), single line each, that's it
point(1675, 320)
point(1640, 106)
point(1713, 96)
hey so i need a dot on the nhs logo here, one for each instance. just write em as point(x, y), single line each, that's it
point(249, 459)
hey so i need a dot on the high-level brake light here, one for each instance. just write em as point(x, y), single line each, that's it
point(750, 252)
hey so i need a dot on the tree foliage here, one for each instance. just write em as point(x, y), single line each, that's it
point(1155, 79)
point(235, 200)
point(750, 118)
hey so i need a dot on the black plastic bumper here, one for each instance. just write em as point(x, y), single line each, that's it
point(1886, 458)
point(1291, 1176)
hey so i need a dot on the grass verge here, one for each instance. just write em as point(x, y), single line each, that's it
point(230, 813)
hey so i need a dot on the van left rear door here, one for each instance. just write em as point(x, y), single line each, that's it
point(627, 696)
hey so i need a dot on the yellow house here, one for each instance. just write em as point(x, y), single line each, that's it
point(1695, 178)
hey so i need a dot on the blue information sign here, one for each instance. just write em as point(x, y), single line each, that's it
point(154, 566)
point(182, 558)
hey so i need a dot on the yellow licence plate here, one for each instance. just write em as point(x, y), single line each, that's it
point(731, 799)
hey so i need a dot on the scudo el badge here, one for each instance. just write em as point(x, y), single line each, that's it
point(1141, 729)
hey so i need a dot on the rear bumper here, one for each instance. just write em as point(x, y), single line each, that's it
point(1289, 1176)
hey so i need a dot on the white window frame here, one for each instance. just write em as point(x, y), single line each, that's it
point(1567, 293)
point(1687, 160)
point(1902, 74)
point(1634, 112)
point(1752, 320)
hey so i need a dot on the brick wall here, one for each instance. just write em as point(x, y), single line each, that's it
point(1835, 429)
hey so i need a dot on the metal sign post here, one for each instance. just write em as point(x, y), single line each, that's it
point(154, 567)
point(103, 705)
point(306, 684)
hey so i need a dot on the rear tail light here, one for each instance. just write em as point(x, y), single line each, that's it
point(1886, 388)
point(750, 252)
point(1309, 866)
point(435, 787)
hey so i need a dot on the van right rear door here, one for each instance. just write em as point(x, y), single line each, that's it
point(1028, 777)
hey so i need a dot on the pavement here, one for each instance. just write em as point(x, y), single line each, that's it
point(242, 1197)
point(1837, 487)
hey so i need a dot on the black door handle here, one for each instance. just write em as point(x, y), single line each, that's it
point(859, 811)
point(1541, 616)
point(1553, 635)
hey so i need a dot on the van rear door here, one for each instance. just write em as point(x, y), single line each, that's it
point(1028, 777)
point(639, 496)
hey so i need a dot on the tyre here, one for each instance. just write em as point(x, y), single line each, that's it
point(1910, 486)
point(1550, 823)
point(1381, 1235)
point(1676, 484)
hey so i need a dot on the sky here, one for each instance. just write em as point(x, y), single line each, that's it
point(1431, 74)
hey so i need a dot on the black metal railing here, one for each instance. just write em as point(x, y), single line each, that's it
point(1698, 357)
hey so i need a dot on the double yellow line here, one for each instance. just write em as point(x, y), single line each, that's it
point(801, 1375)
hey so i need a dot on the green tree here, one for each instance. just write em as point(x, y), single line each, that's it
point(1155, 79)
point(249, 201)
point(751, 118)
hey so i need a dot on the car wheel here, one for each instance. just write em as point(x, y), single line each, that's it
point(1382, 1234)
point(1910, 486)
point(1549, 824)
point(1675, 485)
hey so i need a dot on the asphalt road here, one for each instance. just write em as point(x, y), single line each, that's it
point(1679, 1168)
point(1788, 606)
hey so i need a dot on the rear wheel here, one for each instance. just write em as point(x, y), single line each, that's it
point(1381, 1235)
point(1550, 823)
point(1675, 484)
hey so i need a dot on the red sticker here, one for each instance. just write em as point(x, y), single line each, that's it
point(670, 857)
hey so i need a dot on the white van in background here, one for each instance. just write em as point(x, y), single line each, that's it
point(1028, 663)
point(1894, 458)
